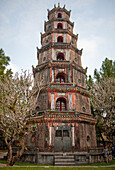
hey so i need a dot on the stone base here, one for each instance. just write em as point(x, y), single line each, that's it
point(48, 158)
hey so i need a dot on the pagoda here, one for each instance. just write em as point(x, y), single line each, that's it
point(63, 113)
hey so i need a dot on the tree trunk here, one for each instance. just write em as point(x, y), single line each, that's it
point(9, 152)
point(101, 136)
point(12, 159)
point(9, 155)
point(20, 152)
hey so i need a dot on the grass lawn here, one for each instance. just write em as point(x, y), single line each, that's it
point(26, 166)
point(57, 168)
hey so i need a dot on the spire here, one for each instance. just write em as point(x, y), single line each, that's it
point(58, 5)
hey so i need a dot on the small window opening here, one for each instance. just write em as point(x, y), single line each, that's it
point(59, 15)
point(79, 80)
point(33, 139)
point(58, 133)
point(60, 78)
point(37, 108)
point(60, 39)
point(60, 56)
point(65, 133)
point(83, 109)
point(88, 138)
point(60, 26)
point(61, 104)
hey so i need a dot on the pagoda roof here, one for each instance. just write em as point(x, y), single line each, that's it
point(59, 64)
point(59, 31)
point(59, 19)
point(63, 116)
point(58, 45)
point(58, 8)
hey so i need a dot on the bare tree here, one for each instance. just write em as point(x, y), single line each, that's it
point(35, 92)
point(15, 106)
point(103, 100)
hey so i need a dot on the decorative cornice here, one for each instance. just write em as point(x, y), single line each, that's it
point(60, 46)
point(63, 89)
point(63, 31)
point(60, 64)
point(59, 19)
point(67, 116)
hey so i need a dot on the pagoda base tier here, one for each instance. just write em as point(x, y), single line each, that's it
point(62, 131)
point(33, 155)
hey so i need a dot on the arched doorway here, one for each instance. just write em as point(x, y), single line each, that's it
point(60, 39)
point(60, 56)
point(60, 78)
point(60, 26)
point(61, 104)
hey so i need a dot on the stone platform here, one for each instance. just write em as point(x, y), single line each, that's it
point(69, 158)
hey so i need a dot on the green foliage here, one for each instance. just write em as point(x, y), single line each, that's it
point(107, 70)
point(4, 62)
point(102, 79)
point(89, 81)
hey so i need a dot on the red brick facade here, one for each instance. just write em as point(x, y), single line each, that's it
point(64, 118)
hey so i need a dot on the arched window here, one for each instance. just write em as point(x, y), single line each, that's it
point(59, 15)
point(60, 56)
point(60, 26)
point(60, 78)
point(61, 104)
point(60, 39)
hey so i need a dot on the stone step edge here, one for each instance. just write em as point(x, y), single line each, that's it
point(65, 164)
point(64, 157)
point(64, 160)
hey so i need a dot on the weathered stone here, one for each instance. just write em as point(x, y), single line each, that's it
point(64, 120)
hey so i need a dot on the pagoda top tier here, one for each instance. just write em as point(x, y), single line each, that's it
point(58, 12)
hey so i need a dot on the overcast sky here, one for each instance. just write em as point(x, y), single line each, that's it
point(21, 22)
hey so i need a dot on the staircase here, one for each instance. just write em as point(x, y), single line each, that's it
point(64, 160)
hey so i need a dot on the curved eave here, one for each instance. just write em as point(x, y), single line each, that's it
point(61, 89)
point(59, 19)
point(63, 31)
point(60, 46)
point(54, 116)
point(58, 63)
point(58, 9)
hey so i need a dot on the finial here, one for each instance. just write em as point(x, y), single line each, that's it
point(58, 5)
point(54, 5)
point(32, 67)
point(77, 36)
point(64, 6)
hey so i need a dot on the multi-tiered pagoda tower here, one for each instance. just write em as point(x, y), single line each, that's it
point(63, 117)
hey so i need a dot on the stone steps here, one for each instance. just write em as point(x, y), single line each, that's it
point(64, 160)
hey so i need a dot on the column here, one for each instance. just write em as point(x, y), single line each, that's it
point(52, 101)
point(70, 101)
point(73, 135)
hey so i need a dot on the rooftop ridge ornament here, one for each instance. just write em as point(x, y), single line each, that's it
point(58, 5)
point(64, 7)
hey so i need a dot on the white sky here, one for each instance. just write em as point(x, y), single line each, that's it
point(21, 22)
